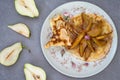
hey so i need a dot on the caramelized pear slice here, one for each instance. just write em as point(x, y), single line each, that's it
point(103, 36)
point(77, 40)
point(96, 30)
point(85, 20)
point(102, 42)
point(9, 55)
point(96, 41)
point(87, 53)
point(90, 45)
point(99, 42)
point(34, 73)
point(82, 47)
point(89, 25)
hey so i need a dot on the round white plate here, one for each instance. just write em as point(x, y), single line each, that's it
point(67, 64)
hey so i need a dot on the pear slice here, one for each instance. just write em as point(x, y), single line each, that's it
point(77, 40)
point(9, 55)
point(34, 73)
point(21, 29)
point(26, 8)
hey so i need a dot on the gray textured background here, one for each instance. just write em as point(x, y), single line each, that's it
point(8, 15)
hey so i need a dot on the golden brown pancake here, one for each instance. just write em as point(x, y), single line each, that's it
point(86, 36)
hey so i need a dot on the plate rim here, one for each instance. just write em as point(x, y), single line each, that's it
point(58, 70)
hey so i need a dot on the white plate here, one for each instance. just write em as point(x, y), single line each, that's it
point(69, 65)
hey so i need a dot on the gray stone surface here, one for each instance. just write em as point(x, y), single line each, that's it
point(8, 15)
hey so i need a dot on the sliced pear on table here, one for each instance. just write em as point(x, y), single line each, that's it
point(34, 73)
point(21, 29)
point(9, 55)
point(26, 8)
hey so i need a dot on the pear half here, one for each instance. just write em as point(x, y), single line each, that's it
point(21, 29)
point(34, 73)
point(9, 55)
point(26, 8)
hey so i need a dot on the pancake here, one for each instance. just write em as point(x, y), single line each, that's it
point(60, 36)
point(86, 36)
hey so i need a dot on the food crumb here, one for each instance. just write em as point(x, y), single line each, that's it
point(73, 64)
point(62, 52)
point(86, 64)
